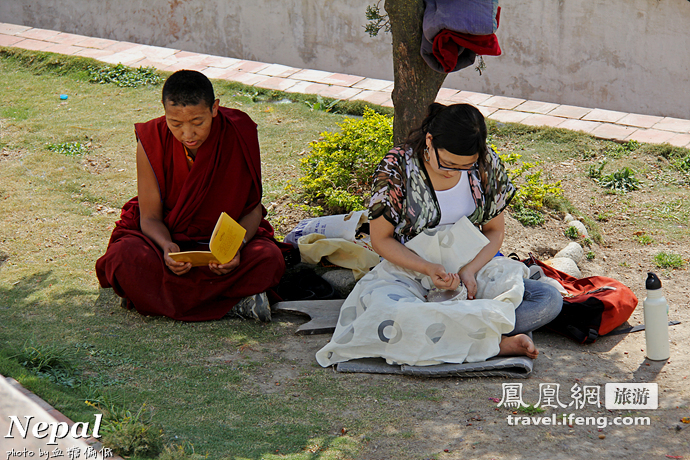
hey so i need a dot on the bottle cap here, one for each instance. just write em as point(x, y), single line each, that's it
point(653, 282)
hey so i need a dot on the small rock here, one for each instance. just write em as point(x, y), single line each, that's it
point(568, 218)
point(566, 265)
point(602, 436)
point(342, 280)
point(581, 229)
point(572, 251)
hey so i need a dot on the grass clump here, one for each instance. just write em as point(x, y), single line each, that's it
point(528, 217)
point(668, 260)
point(68, 148)
point(48, 361)
point(321, 104)
point(177, 452)
point(572, 233)
point(125, 76)
point(530, 409)
point(623, 180)
point(643, 239)
point(614, 150)
point(337, 172)
point(129, 433)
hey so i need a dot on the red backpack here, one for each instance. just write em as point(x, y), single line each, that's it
point(594, 306)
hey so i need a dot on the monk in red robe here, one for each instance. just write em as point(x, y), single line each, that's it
point(192, 164)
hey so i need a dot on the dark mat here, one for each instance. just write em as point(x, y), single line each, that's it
point(511, 367)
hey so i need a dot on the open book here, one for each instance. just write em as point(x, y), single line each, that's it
point(225, 241)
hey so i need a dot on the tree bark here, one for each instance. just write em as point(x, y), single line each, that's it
point(415, 83)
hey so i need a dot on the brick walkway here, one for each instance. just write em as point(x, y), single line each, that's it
point(605, 124)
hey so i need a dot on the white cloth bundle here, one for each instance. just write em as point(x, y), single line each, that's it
point(387, 315)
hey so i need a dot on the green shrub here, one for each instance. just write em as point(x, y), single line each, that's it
point(590, 255)
point(338, 171)
point(668, 260)
point(528, 201)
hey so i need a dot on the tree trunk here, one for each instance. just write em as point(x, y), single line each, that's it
point(416, 84)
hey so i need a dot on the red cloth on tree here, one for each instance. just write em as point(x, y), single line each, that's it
point(226, 176)
point(447, 44)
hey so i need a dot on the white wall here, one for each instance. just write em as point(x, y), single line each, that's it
point(628, 55)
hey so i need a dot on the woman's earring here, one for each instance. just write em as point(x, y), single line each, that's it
point(426, 154)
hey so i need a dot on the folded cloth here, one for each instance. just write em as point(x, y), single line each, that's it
point(449, 47)
point(455, 31)
point(476, 17)
point(464, 57)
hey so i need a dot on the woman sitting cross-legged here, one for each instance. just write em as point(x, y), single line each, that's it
point(442, 174)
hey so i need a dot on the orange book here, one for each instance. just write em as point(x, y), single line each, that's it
point(226, 240)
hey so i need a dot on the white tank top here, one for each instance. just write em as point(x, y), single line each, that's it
point(456, 202)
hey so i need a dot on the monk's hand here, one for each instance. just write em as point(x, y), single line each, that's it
point(178, 268)
point(443, 279)
point(224, 269)
point(469, 279)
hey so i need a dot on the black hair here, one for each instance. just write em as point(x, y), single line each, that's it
point(188, 87)
point(458, 128)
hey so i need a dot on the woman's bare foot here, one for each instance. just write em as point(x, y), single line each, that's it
point(518, 345)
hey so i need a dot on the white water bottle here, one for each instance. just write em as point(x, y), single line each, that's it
point(656, 320)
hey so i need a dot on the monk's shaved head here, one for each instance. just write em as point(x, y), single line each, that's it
point(188, 87)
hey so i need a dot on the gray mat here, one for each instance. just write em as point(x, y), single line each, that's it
point(511, 367)
point(323, 314)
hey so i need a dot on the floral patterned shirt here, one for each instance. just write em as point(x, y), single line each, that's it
point(403, 194)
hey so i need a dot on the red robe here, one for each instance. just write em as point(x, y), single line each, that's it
point(226, 176)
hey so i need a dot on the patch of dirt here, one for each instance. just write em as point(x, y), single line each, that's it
point(7, 154)
point(95, 164)
point(284, 214)
point(462, 421)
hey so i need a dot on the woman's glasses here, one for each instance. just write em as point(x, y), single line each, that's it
point(474, 166)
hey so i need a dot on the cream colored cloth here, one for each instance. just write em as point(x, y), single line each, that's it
point(338, 251)
point(387, 315)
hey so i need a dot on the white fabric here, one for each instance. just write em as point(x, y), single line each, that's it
point(456, 202)
point(387, 315)
point(343, 226)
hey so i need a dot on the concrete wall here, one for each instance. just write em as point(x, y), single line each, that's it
point(628, 55)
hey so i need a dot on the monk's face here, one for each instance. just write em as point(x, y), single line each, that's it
point(190, 124)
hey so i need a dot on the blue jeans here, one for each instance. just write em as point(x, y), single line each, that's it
point(541, 303)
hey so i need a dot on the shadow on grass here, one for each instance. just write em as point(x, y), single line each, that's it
point(221, 407)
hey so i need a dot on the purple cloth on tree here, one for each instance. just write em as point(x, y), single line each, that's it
point(474, 17)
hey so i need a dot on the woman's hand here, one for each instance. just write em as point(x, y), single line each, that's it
point(443, 279)
point(469, 279)
point(224, 269)
point(178, 268)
